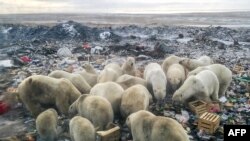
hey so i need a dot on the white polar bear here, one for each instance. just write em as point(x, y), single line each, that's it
point(81, 129)
point(145, 126)
point(134, 99)
point(111, 91)
point(203, 86)
point(95, 108)
point(192, 64)
point(77, 80)
point(176, 75)
point(128, 67)
point(110, 73)
point(89, 68)
point(169, 61)
point(90, 78)
point(156, 79)
point(205, 60)
point(127, 81)
point(223, 74)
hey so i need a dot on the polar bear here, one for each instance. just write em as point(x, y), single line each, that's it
point(89, 74)
point(135, 98)
point(111, 91)
point(206, 60)
point(169, 61)
point(145, 126)
point(223, 74)
point(156, 79)
point(81, 129)
point(128, 67)
point(95, 108)
point(46, 124)
point(110, 73)
point(39, 92)
point(192, 64)
point(176, 75)
point(127, 81)
point(203, 86)
point(77, 80)
point(90, 78)
point(89, 68)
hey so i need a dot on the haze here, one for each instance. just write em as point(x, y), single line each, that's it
point(121, 6)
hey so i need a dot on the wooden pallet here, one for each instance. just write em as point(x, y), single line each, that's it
point(198, 107)
point(209, 122)
point(238, 69)
point(113, 134)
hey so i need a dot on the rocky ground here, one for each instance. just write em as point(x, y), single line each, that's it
point(27, 50)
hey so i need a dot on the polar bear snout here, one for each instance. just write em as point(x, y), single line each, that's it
point(72, 111)
point(177, 97)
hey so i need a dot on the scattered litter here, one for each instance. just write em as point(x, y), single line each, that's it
point(25, 59)
point(213, 107)
point(96, 50)
point(86, 46)
point(228, 105)
point(169, 113)
point(6, 63)
point(105, 35)
point(4, 107)
point(64, 52)
point(223, 99)
point(181, 118)
point(224, 117)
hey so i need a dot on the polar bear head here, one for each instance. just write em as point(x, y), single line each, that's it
point(189, 89)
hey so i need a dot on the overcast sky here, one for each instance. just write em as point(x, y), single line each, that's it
point(121, 6)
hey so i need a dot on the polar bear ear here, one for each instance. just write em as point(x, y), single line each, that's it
point(128, 120)
point(180, 62)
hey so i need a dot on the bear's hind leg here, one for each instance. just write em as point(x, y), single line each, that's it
point(62, 105)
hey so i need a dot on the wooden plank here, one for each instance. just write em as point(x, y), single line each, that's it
point(216, 118)
point(112, 134)
point(204, 114)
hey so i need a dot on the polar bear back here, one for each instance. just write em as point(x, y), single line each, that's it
point(96, 109)
point(110, 91)
point(206, 60)
point(208, 79)
point(110, 73)
point(222, 72)
point(135, 98)
point(115, 67)
point(153, 70)
point(78, 81)
point(156, 80)
point(81, 129)
point(145, 126)
point(169, 61)
point(127, 81)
